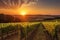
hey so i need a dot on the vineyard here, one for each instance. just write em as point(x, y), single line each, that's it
point(30, 31)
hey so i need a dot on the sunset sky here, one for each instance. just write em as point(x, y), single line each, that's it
point(30, 7)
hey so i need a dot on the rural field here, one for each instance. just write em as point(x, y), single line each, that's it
point(45, 30)
point(29, 19)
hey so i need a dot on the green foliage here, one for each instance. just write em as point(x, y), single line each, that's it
point(26, 29)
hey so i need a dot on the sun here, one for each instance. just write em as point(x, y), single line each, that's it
point(23, 13)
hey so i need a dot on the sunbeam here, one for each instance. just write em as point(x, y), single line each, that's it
point(5, 2)
point(15, 3)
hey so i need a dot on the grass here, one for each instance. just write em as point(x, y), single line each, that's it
point(48, 25)
point(29, 26)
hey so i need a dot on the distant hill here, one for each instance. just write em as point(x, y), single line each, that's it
point(31, 18)
point(8, 18)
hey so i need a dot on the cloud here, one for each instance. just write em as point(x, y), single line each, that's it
point(16, 3)
point(29, 4)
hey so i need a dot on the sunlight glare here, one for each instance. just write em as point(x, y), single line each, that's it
point(23, 13)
